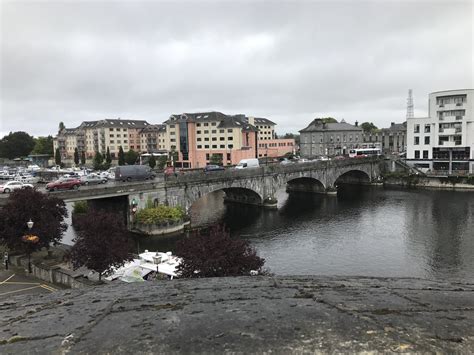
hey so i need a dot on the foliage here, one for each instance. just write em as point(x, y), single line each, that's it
point(83, 158)
point(15, 145)
point(173, 155)
point(152, 162)
point(108, 157)
point(162, 162)
point(102, 242)
point(214, 253)
point(80, 207)
point(121, 157)
point(131, 157)
point(329, 120)
point(369, 127)
point(296, 137)
point(43, 145)
point(159, 214)
point(57, 156)
point(215, 159)
point(46, 212)
point(76, 156)
point(98, 160)
point(470, 180)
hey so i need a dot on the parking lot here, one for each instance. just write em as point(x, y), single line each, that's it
point(13, 284)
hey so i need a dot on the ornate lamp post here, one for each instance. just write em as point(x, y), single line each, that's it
point(29, 240)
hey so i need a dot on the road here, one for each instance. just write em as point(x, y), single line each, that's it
point(13, 283)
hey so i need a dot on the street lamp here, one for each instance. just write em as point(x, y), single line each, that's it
point(29, 240)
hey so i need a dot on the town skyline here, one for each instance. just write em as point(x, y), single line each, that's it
point(288, 62)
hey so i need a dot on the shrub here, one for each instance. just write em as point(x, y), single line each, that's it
point(213, 253)
point(79, 207)
point(159, 214)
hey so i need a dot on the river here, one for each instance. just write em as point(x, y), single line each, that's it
point(366, 231)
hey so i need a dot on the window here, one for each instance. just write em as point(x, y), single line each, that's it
point(222, 146)
point(221, 131)
point(206, 139)
point(228, 156)
point(199, 125)
point(230, 138)
point(206, 124)
point(112, 141)
point(172, 140)
point(172, 133)
point(206, 132)
point(427, 140)
point(229, 130)
point(198, 132)
point(417, 130)
point(199, 146)
point(172, 126)
point(427, 128)
point(207, 156)
point(214, 131)
point(425, 154)
point(213, 123)
point(417, 154)
point(417, 141)
point(230, 146)
point(198, 139)
point(222, 138)
point(214, 146)
point(111, 135)
point(207, 147)
point(214, 139)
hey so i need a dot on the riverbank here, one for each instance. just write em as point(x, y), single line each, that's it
point(431, 182)
point(246, 315)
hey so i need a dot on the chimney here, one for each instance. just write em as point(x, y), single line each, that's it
point(357, 124)
point(392, 124)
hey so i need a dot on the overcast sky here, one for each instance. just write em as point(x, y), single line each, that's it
point(290, 62)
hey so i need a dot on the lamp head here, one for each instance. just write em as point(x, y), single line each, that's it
point(30, 224)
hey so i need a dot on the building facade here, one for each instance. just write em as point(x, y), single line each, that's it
point(329, 139)
point(392, 139)
point(443, 142)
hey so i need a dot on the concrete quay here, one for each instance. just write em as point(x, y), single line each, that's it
point(281, 315)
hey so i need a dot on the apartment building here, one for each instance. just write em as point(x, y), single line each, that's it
point(321, 138)
point(392, 139)
point(97, 136)
point(444, 141)
point(153, 139)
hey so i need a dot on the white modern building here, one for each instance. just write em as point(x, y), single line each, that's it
point(444, 141)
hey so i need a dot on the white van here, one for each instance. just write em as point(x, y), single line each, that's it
point(248, 163)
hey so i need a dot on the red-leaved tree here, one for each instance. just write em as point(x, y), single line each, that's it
point(46, 212)
point(213, 253)
point(102, 242)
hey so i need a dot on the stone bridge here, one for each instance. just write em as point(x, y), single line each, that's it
point(257, 186)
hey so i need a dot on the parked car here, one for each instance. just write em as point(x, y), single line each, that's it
point(212, 167)
point(133, 172)
point(64, 184)
point(93, 179)
point(9, 186)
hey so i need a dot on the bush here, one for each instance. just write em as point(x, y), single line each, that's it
point(80, 207)
point(159, 214)
point(213, 253)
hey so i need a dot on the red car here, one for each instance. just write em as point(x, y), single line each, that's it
point(64, 184)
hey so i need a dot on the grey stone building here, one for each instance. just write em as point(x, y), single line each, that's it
point(321, 138)
point(391, 139)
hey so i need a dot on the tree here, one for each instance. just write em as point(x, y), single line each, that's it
point(215, 159)
point(296, 137)
point(43, 145)
point(121, 157)
point(162, 161)
point(108, 157)
point(15, 145)
point(98, 160)
point(369, 127)
point(102, 242)
point(131, 157)
point(83, 158)
point(57, 156)
point(173, 156)
point(214, 253)
point(329, 120)
point(152, 162)
point(76, 156)
point(46, 212)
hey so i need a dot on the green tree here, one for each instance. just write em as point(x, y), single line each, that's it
point(15, 145)
point(94, 248)
point(369, 127)
point(131, 157)
point(76, 156)
point(98, 160)
point(121, 156)
point(152, 162)
point(329, 120)
point(57, 156)
point(108, 157)
point(215, 159)
point(43, 145)
point(83, 158)
point(162, 161)
point(296, 137)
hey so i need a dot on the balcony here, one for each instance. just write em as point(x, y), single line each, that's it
point(448, 144)
point(447, 131)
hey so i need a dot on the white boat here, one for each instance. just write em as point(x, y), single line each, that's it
point(147, 263)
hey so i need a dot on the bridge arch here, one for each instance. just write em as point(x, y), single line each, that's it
point(305, 184)
point(353, 176)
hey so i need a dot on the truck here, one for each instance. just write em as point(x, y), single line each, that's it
point(133, 172)
point(248, 163)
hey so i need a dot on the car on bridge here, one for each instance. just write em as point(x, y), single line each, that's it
point(93, 179)
point(10, 186)
point(64, 184)
point(212, 167)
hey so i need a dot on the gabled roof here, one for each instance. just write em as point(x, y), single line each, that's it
point(154, 128)
point(396, 127)
point(319, 126)
point(261, 121)
point(225, 121)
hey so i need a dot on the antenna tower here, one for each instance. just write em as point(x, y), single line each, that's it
point(410, 109)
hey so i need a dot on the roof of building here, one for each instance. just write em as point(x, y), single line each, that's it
point(226, 121)
point(114, 123)
point(260, 120)
point(319, 126)
point(154, 128)
point(396, 127)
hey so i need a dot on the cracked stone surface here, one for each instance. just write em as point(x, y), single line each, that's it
point(245, 315)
